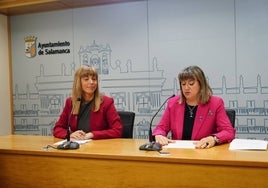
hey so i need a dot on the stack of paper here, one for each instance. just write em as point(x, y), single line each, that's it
point(78, 141)
point(248, 144)
point(188, 144)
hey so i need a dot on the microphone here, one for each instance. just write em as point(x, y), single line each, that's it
point(69, 144)
point(152, 145)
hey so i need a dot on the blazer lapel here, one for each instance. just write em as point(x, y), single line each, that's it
point(201, 113)
point(179, 111)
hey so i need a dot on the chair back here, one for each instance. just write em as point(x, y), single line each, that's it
point(231, 114)
point(127, 119)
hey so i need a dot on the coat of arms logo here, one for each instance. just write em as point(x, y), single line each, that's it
point(30, 46)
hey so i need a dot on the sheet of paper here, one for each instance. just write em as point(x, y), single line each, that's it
point(181, 144)
point(248, 144)
point(78, 141)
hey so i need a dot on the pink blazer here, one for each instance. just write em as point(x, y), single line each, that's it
point(105, 123)
point(210, 119)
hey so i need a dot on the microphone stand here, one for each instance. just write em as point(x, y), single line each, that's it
point(152, 145)
point(69, 144)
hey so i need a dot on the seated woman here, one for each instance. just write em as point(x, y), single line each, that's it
point(195, 114)
point(90, 114)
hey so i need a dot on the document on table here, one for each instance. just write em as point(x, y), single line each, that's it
point(248, 144)
point(187, 144)
point(78, 141)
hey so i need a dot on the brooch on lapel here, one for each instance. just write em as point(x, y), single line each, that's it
point(210, 113)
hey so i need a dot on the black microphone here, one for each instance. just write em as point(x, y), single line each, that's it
point(69, 144)
point(152, 145)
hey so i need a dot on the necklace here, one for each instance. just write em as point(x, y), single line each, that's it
point(191, 110)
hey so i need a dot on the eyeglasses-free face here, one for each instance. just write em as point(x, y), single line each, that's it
point(190, 89)
point(89, 85)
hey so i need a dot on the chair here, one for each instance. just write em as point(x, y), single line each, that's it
point(231, 114)
point(127, 119)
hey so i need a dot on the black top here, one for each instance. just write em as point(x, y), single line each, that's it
point(84, 116)
point(189, 116)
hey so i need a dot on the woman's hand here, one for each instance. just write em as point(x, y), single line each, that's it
point(81, 135)
point(78, 135)
point(163, 140)
point(89, 136)
point(206, 142)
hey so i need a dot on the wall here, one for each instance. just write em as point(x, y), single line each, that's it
point(139, 48)
point(5, 115)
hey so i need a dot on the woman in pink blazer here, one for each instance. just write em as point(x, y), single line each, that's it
point(91, 114)
point(195, 114)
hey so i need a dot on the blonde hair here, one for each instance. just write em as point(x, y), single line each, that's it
point(195, 72)
point(77, 93)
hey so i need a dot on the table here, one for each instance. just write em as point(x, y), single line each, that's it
point(109, 163)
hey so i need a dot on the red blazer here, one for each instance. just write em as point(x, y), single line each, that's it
point(210, 119)
point(105, 123)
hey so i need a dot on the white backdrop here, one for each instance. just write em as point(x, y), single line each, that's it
point(147, 44)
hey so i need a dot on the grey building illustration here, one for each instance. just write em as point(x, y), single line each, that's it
point(35, 112)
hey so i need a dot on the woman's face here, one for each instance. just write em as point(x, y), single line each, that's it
point(190, 89)
point(89, 85)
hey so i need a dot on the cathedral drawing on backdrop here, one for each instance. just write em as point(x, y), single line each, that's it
point(35, 112)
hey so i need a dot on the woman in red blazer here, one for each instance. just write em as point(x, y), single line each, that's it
point(195, 114)
point(91, 114)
